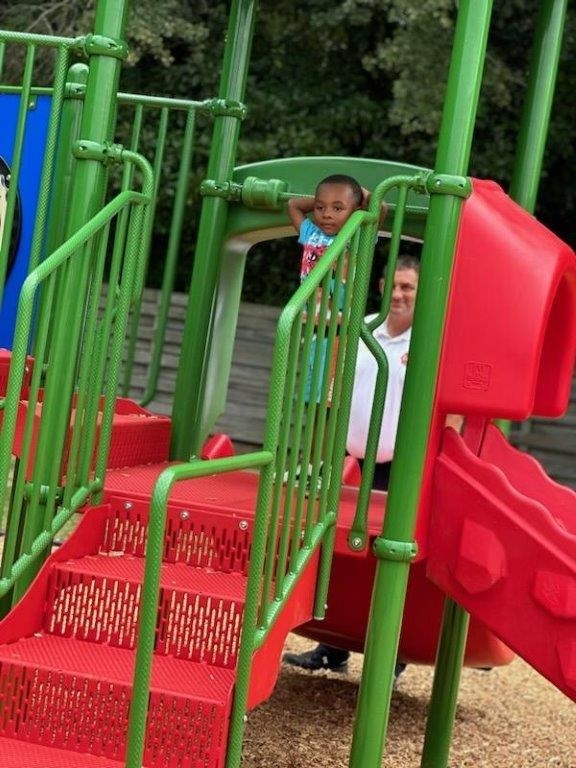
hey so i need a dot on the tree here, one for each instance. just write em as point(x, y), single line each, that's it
point(357, 77)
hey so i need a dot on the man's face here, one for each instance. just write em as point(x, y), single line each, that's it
point(404, 294)
point(333, 206)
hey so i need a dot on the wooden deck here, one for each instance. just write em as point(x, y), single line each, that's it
point(244, 418)
point(552, 442)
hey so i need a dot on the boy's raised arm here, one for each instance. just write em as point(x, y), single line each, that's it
point(298, 208)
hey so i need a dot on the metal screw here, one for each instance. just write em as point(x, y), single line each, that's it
point(127, 505)
point(184, 514)
point(356, 542)
point(243, 525)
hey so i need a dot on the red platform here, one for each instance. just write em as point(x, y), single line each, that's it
point(138, 435)
point(234, 496)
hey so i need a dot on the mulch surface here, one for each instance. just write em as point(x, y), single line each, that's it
point(510, 717)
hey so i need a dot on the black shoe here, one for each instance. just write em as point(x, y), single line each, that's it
point(321, 657)
point(398, 669)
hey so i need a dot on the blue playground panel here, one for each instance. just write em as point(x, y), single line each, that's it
point(28, 188)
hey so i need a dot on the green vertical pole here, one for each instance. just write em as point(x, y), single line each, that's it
point(69, 132)
point(394, 547)
point(453, 155)
point(536, 112)
point(187, 435)
point(538, 104)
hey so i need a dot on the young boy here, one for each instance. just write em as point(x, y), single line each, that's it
point(335, 200)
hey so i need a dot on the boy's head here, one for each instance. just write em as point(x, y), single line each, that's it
point(335, 200)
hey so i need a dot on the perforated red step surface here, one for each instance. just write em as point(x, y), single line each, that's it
point(21, 754)
point(229, 586)
point(97, 598)
point(75, 695)
point(99, 662)
point(233, 492)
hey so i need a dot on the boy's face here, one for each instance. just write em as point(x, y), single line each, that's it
point(333, 206)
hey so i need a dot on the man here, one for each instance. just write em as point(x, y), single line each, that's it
point(393, 335)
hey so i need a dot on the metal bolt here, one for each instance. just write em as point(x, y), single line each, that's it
point(243, 525)
point(356, 542)
point(184, 514)
point(127, 505)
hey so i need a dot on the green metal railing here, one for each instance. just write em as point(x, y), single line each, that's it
point(163, 130)
point(63, 443)
point(86, 265)
point(63, 50)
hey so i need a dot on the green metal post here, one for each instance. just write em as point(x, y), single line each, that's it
point(536, 113)
point(187, 434)
point(538, 103)
point(456, 133)
point(394, 547)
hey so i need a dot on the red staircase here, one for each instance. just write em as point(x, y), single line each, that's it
point(67, 650)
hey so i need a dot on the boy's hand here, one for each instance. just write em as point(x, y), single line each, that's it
point(298, 208)
point(365, 197)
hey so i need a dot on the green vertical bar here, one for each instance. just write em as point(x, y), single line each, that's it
point(171, 262)
point(538, 104)
point(453, 156)
point(18, 148)
point(187, 435)
point(414, 427)
point(536, 112)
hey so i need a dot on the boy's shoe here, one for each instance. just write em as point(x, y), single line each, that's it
point(321, 657)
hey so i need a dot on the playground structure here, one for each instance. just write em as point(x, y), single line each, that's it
point(146, 637)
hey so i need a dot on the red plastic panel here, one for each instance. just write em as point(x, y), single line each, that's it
point(505, 558)
point(5, 359)
point(219, 446)
point(349, 603)
point(510, 336)
point(138, 436)
point(351, 472)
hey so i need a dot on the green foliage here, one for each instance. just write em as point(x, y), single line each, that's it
point(349, 77)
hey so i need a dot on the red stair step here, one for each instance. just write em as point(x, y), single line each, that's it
point(96, 598)
point(72, 694)
point(23, 754)
point(197, 534)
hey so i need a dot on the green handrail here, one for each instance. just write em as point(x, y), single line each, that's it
point(84, 472)
point(151, 585)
